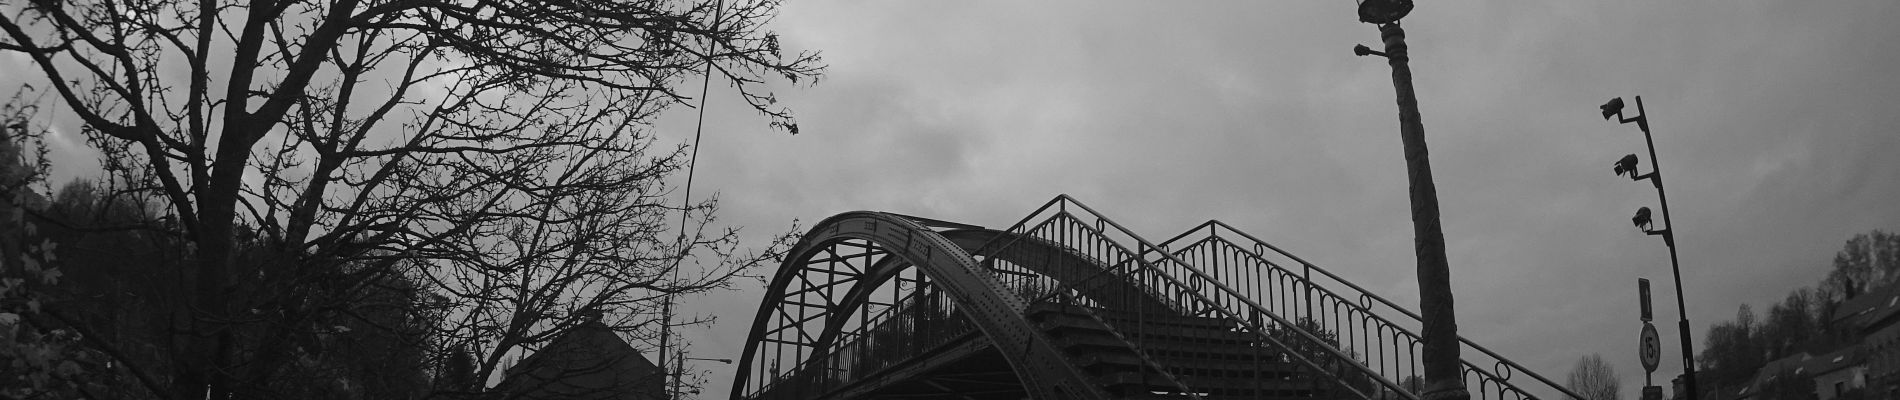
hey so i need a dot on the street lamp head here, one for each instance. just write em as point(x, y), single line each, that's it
point(1363, 51)
point(1627, 165)
point(1613, 108)
point(1381, 12)
point(1642, 219)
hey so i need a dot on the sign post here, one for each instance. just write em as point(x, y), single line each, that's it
point(1649, 347)
point(1642, 287)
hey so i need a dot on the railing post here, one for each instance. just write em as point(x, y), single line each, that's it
point(1141, 312)
point(1306, 273)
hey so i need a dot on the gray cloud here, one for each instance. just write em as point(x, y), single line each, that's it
point(1774, 121)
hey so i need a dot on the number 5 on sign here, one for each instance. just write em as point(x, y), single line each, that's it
point(1650, 350)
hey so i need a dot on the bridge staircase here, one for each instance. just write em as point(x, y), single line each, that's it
point(1069, 304)
point(1180, 355)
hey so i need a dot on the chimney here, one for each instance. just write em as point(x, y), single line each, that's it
point(588, 315)
point(1849, 287)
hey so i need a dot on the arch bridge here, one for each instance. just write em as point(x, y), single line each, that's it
point(1068, 305)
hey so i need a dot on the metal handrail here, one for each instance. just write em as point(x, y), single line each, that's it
point(1212, 227)
point(1210, 224)
point(1368, 313)
point(1062, 201)
point(1176, 282)
point(1500, 362)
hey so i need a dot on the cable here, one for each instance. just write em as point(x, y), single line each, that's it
point(699, 130)
point(686, 208)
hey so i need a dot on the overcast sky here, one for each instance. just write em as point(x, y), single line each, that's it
point(1775, 120)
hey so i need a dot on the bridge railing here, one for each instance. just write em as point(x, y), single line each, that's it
point(920, 322)
point(1215, 270)
point(1184, 290)
point(1310, 292)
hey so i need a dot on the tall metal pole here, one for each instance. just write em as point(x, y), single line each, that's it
point(1669, 238)
point(679, 371)
point(1440, 332)
point(666, 330)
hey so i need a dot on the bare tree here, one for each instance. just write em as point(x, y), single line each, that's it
point(497, 151)
point(1593, 379)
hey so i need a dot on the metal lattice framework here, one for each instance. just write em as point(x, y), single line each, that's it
point(1067, 304)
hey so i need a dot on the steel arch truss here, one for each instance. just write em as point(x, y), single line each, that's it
point(875, 304)
point(858, 270)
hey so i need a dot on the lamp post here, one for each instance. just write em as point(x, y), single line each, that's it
point(1439, 335)
point(1628, 166)
point(679, 370)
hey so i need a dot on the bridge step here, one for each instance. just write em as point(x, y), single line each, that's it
point(1152, 317)
point(1290, 395)
point(1082, 344)
point(1133, 382)
point(1204, 354)
point(1147, 331)
point(1190, 366)
point(1083, 335)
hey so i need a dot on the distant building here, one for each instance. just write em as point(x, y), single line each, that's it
point(589, 362)
point(1866, 367)
point(1875, 318)
point(1805, 376)
point(1882, 349)
point(1838, 372)
point(1865, 313)
point(1768, 380)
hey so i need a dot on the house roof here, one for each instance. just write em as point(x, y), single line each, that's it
point(1872, 310)
point(1796, 363)
point(592, 337)
point(1882, 337)
point(1835, 361)
point(589, 359)
point(1802, 366)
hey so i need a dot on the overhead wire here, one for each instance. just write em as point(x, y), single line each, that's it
point(692, 162)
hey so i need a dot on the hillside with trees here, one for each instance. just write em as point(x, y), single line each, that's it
point(1804, 321)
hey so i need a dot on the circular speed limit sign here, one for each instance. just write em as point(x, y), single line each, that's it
point(1650, 350)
